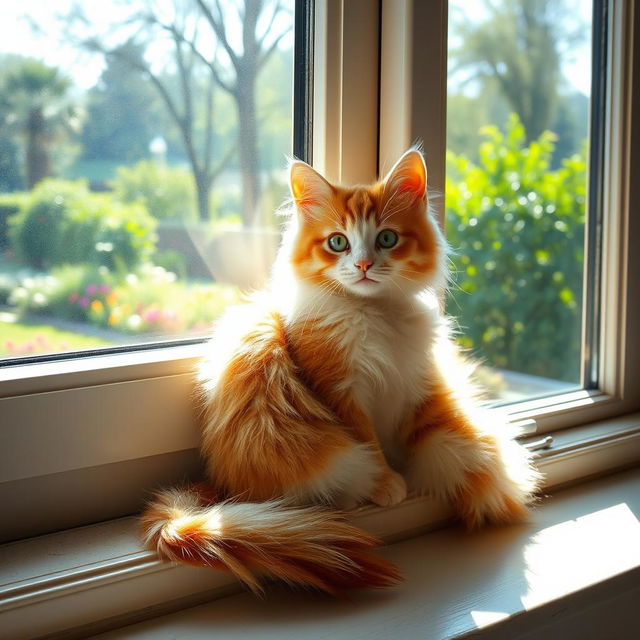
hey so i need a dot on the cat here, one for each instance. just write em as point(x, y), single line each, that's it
point(339, 385)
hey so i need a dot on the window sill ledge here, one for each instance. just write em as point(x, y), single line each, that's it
point(573, 572)
point(73, 579)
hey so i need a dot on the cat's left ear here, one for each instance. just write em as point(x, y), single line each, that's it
point(308, 188)
point(408, 177)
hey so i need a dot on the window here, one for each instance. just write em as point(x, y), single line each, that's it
point(83, 439)
point(145, 149)
point(518, 104)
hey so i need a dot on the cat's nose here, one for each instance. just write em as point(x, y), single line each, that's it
point(363, 265)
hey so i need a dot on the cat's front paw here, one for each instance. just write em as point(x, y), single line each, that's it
point(391, 489)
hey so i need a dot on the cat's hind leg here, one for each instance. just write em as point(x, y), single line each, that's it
point(457, 452)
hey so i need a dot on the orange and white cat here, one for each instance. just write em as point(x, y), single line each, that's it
point(338, 386)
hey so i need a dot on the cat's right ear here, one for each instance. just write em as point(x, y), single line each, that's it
point(308, 188)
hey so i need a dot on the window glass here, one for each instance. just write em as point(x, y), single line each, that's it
point(142, 154)
point(519, 82)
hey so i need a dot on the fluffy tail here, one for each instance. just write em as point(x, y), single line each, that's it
point(300, 545)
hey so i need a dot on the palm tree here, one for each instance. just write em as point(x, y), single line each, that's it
point(40, 109)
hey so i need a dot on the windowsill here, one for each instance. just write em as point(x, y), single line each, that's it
point(74, 578)
point(581, 550)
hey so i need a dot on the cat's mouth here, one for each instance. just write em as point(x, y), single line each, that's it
point(366, 280)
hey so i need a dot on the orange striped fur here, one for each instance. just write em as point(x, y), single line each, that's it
point(338, 386)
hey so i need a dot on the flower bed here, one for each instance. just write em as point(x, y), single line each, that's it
point(149, 300)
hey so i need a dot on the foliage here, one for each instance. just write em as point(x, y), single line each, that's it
point(37, 98)
point(10, 204)
point(66, 292)
point(517, 229)
point(10, 176)
point(513, 56)
point(171, 260)
point(148, 300)
point(63, 223)
point(11, 277)
point(119, 126)
point(167, 192)
point(192, 74)
point(518, 46)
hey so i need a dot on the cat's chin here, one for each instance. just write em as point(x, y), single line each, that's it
point(366, 287)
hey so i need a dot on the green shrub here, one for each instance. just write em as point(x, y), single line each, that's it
point(517, 230)
point(167, 192)
point(10, 204)
point(11, 277)
point(171, 260)
point(63, 223)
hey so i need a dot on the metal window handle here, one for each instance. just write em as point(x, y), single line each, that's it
point(537, 445)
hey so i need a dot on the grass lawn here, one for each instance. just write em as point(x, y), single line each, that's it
point(19, 339)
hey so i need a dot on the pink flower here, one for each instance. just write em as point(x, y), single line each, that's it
point(73, 297)
point(92, 289)
point(84, 302)
point(105, 289)
point(152, 315)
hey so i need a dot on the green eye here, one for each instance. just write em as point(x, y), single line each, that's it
point(387, 239)
point(338, 242)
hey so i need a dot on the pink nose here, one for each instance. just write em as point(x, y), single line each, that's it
point(363, 265)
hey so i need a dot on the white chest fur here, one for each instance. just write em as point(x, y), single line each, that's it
point(387, 349)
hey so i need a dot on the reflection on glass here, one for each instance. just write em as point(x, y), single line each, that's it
point(517, 125)
point(142, 146)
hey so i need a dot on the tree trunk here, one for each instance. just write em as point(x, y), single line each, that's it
point(203, 190)
point(38, 164)
point(248, 148)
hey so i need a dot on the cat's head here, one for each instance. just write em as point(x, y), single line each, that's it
point(373, 240)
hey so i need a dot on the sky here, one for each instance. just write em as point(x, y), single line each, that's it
point(16, 36)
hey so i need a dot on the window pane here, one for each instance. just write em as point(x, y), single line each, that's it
point(518, 102)
point(142, 154)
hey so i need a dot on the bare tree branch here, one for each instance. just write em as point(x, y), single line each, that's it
point(218, 28)
point(277, 7)
point(194, 49)
point(266, 54)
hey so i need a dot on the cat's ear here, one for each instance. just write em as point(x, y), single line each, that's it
point(408, 177)
point(308, 188)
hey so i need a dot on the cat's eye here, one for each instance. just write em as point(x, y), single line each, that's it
point(338, 242)
point(387, 239)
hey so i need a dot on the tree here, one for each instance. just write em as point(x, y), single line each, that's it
point(118, 125)
point(519, 46)
point(180, 105)
point(40, 108)
point(246, 63)
point(204, 58)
